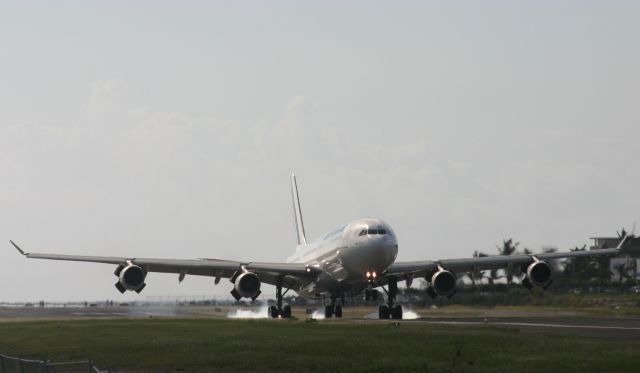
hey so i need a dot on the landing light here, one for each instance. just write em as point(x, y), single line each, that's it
point(371, 276)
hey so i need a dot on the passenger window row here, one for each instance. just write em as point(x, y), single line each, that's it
point(364, 232)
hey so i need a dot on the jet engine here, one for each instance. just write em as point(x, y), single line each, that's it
point(246, 285)
point(130, 277)
point(538, 273)
point(443, 283)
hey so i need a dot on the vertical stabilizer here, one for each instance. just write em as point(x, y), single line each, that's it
point(297, 212)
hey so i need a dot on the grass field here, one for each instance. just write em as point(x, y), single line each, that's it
point(292, 345)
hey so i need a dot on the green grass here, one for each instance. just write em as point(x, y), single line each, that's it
point(282, 345)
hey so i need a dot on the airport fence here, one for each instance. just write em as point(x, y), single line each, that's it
point(11, 364)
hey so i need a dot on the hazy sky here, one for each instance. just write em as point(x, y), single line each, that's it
point(169, 129)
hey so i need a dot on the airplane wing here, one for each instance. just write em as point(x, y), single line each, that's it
point(488, 262)
point(268, 272)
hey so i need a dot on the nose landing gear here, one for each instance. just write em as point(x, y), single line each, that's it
point(388, 310)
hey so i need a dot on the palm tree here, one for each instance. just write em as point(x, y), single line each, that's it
point(580, 268)
point(493, 276)
point(509, 248)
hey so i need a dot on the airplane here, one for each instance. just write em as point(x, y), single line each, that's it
point(355, 258)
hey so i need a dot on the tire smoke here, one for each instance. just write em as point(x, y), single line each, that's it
point(261, 313)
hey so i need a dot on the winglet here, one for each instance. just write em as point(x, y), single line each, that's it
point(633, 233)
point(623, 240)
point(18, 248)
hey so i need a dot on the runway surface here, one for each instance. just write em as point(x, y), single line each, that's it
point(607, 327)
point(525, 320)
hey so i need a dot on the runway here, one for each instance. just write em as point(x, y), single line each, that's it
point(542, 320)
point(607, 327)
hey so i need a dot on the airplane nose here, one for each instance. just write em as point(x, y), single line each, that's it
point(376, 254)
point(385, 241)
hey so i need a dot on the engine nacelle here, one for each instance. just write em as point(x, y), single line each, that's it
point(131, 277)
point(246, 285)
point(539, 273)
point(444, 282)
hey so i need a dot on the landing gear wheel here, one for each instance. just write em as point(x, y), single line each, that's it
point(374, 295)
point(273, 312)
point(396, 312)
point(383, 312)
point(338, 311)
point(286, 311)
point(328, 311)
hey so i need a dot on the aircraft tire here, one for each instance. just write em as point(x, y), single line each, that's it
point(396, 312)
point(273, 312)
point(286, 311)
point(383, 312)
point(338, 311)
point(328, 311)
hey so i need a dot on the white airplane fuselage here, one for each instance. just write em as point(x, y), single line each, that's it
point(346, 256)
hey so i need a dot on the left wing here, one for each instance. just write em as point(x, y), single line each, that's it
point(270, 273)
point(442, 279)
point(485, 263)
point(490, 262)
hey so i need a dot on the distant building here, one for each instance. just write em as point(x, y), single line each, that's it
point(604, 242)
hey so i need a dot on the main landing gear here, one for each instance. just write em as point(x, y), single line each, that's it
point(388, 310)
point(278, 311)
point(334, 309)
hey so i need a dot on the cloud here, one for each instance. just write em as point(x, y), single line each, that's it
point(106, 99)
point(298, 116)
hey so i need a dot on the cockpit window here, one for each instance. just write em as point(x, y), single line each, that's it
point(372, 231)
